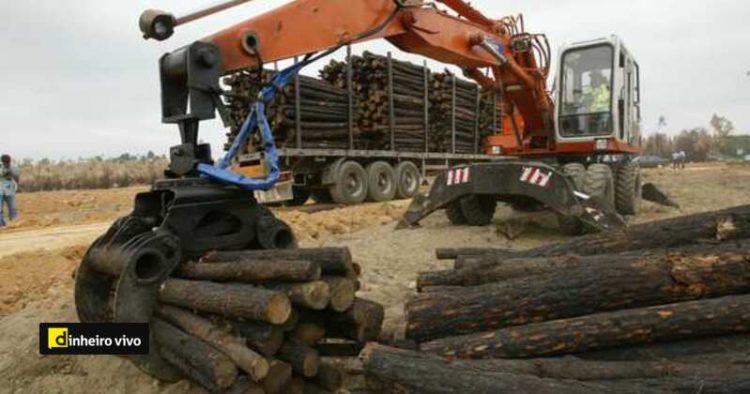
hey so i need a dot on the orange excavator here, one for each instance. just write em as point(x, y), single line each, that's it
point(577, 154)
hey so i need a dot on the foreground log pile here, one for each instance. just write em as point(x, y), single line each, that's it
point(423, 106)
point(659, 307)
point(254, 321)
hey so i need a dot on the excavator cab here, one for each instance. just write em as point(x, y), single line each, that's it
point(598, 94)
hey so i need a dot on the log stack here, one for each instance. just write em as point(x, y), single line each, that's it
point(422, 102)
point(323, 117)
point(659, 307)
point(254, 321)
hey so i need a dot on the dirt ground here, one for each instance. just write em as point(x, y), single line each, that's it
point(39, 253)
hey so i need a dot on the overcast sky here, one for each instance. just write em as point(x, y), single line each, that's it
point(76, 78)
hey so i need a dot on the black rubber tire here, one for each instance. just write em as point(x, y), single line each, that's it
point(381, 182)
point(351, 184)
point(599, 182)
point(275, 234)
point(300, 196)
point(577, 172)
point(455, 214)
point(478, 210)
point(570, 225)
point(408, 180)
point(321, 196)
point(628, 189)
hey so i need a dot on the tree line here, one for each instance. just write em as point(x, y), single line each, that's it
point(699, 143)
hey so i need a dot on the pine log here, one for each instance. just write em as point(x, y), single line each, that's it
point(685, 320)
point(252, 271)
point(314, 295)
point(333, 261)
point(308, 333)
point(195, 358)
point(453, 253)
point(597, 283)
point(304, 359)
point(716, 226)
point(245, 386)
point(362, 322)
point(730, 349)
point(234, 347)
point(279, 375)
point(329, 377)
point(296, 385)
point(263, 337)
point(587, 370)
point(389, 370)
point(343, 291)
point(489, 269)
point(229, 300)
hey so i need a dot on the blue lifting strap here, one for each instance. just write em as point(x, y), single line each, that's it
point(257, 118)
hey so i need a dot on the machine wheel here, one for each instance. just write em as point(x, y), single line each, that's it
point(628, 189)
point(599, 182)
point(455, 214)
point(351, 184)
point(478, 210)
point(408, 178)
point(577, 172)
point(300, 196)
point(570, 225)
point(381, 182)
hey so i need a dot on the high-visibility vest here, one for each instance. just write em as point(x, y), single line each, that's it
point(599, 99)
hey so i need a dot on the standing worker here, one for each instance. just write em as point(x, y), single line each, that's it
point(8, 187)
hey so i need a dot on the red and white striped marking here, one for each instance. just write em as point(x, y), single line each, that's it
point(458, 176)
point(535, 176)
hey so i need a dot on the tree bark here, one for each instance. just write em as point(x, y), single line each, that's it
point(252, 363)
point(389, 370)
point(730, 349)
point(228, 300)
point(252, 271)
point(195, 358)
point(479, 270)
point(453, 253)
point(333, 261)
point(716, 226)
point(686, 320)
point(586, 285)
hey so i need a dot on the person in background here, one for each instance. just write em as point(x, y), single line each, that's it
point(9, 178)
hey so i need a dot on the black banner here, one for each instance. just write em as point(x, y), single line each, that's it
point(93, 338)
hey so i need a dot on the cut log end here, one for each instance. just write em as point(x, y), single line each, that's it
point(279, 309)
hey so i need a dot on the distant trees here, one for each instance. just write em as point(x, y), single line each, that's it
point(698, 143)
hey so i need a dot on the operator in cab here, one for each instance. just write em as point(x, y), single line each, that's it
point(597, 99)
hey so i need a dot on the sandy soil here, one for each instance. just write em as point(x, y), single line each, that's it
point(36, 284)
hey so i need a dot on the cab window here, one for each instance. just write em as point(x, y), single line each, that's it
point(586, 91)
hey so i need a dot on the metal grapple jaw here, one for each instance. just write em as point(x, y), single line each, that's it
point(510, 181)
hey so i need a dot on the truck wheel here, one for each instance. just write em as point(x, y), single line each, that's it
point(628, 189)
point(381, 182)
point(351, 184)
point(408, 177)
point(599, 182)
point(455, 214)
point(300, 196)
point(571, 225)
point(478, 210)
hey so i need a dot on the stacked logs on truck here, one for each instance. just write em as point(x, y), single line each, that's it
point(473, 113)
point(658, 307)
point(258, 321)
point(323, 117)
